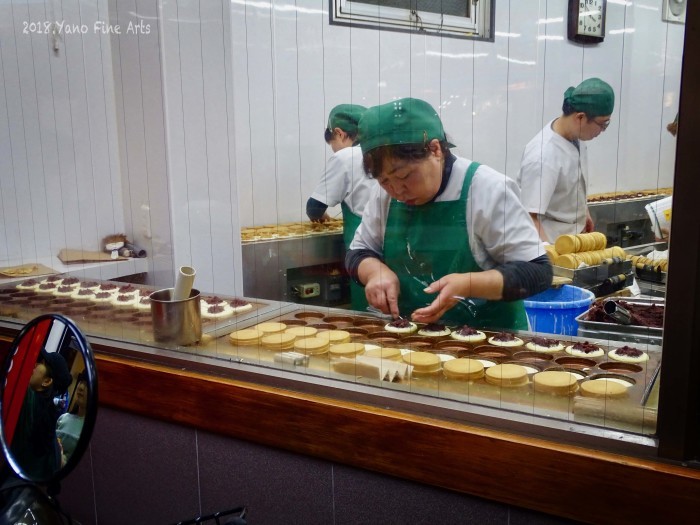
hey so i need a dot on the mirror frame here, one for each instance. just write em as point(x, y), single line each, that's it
point(92, 398)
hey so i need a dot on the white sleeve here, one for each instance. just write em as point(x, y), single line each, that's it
point(331, 189)
point(370, 234)
point(500, 229)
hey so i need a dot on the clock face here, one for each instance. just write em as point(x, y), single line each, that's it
point(590, 17)
point(586, 21)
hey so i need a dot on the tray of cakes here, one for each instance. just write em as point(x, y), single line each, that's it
point(526, 371)
point(107, 307)
point(586, 259)
point(629, 195)
point(290, 230)
point(644, 324)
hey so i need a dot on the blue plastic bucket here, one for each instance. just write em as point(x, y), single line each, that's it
point(554, 311)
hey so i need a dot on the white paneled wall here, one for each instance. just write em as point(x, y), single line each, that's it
point(291, 67)
point(60, 169)
point(214, 118)
point(140, 134)
point(198, 99)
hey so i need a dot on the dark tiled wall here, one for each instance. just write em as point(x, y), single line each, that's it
point(141, 471)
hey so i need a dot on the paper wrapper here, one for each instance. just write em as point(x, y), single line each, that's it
point(660, 215)
point(373, 368)
point(25, 270)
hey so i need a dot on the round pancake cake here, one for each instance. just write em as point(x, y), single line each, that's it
point(542, 344)
point(144, 303)
point(102, 297)
point(301, 331)
point(108, 287)
point(247, 336)
point(217, 311)
point(206, 302)
point(434, 330)
point(401, 326)
point(584, 349)
point(346, 349)
point(271, 327)
point(627, 354)
point(240, 305)
point(468, 334)
point(507, 375)
point(89, 285)
point(29, 284)
point(505, 339)
point(393, 354)
point(124, 290)
point(311, 345)
point(46, 287)
point(423, 362)
point(82, 293)
point(125, 299)
point(278, 341)
point(463, 368)
point(64, 291)
point(557, 382)
point(334, 336)
point(603, 387)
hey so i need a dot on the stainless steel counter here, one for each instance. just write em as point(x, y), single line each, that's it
point(273, 269)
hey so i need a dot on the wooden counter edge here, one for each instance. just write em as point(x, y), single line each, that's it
point(528, 472)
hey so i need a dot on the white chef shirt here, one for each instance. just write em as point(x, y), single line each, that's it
point(500, 230)
point(345, 181)
point(553, 177)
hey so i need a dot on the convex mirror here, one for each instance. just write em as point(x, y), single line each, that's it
point(48, 399)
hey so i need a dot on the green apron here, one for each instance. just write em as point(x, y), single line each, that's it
point(358, 299)
point(424, 243)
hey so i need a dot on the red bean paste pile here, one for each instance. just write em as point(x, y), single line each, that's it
point(504, 336)
point(642, 315)
point(237, 303)
point(467, 330)
point(628, 351)
point(434, 327)
point(585, 347)
point(543, 341)
point(400, 323)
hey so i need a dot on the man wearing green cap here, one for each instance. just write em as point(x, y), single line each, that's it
point(553, 174)
point(344, 181)
point(441, 237)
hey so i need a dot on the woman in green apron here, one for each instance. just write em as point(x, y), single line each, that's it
point(344, 182)
point(441, 237)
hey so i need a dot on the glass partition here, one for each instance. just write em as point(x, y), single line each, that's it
point(140, 137)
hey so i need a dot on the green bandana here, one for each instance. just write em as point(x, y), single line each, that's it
point(403, 121)
point(345, 117)
point(593, 97)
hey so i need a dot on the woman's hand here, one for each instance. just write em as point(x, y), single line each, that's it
point(450, 289)
point(381, 286)
point(455, 287)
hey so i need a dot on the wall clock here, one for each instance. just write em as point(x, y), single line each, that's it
point(587, 21)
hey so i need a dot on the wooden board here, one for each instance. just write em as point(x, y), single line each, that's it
point(25, 270)
point(70, 256)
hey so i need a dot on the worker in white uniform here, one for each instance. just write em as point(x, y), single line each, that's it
point(553, 176)
point(344, 182)
point(442, 237)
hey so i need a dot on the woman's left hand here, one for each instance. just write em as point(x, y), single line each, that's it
point(450, 290)
point(453, 288)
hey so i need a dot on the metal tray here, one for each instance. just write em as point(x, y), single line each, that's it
point(618, 332)
point(592, 275)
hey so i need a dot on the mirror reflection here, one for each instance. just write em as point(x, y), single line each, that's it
point(46, 398)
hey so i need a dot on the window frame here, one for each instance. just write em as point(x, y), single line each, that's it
point(479, 26)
